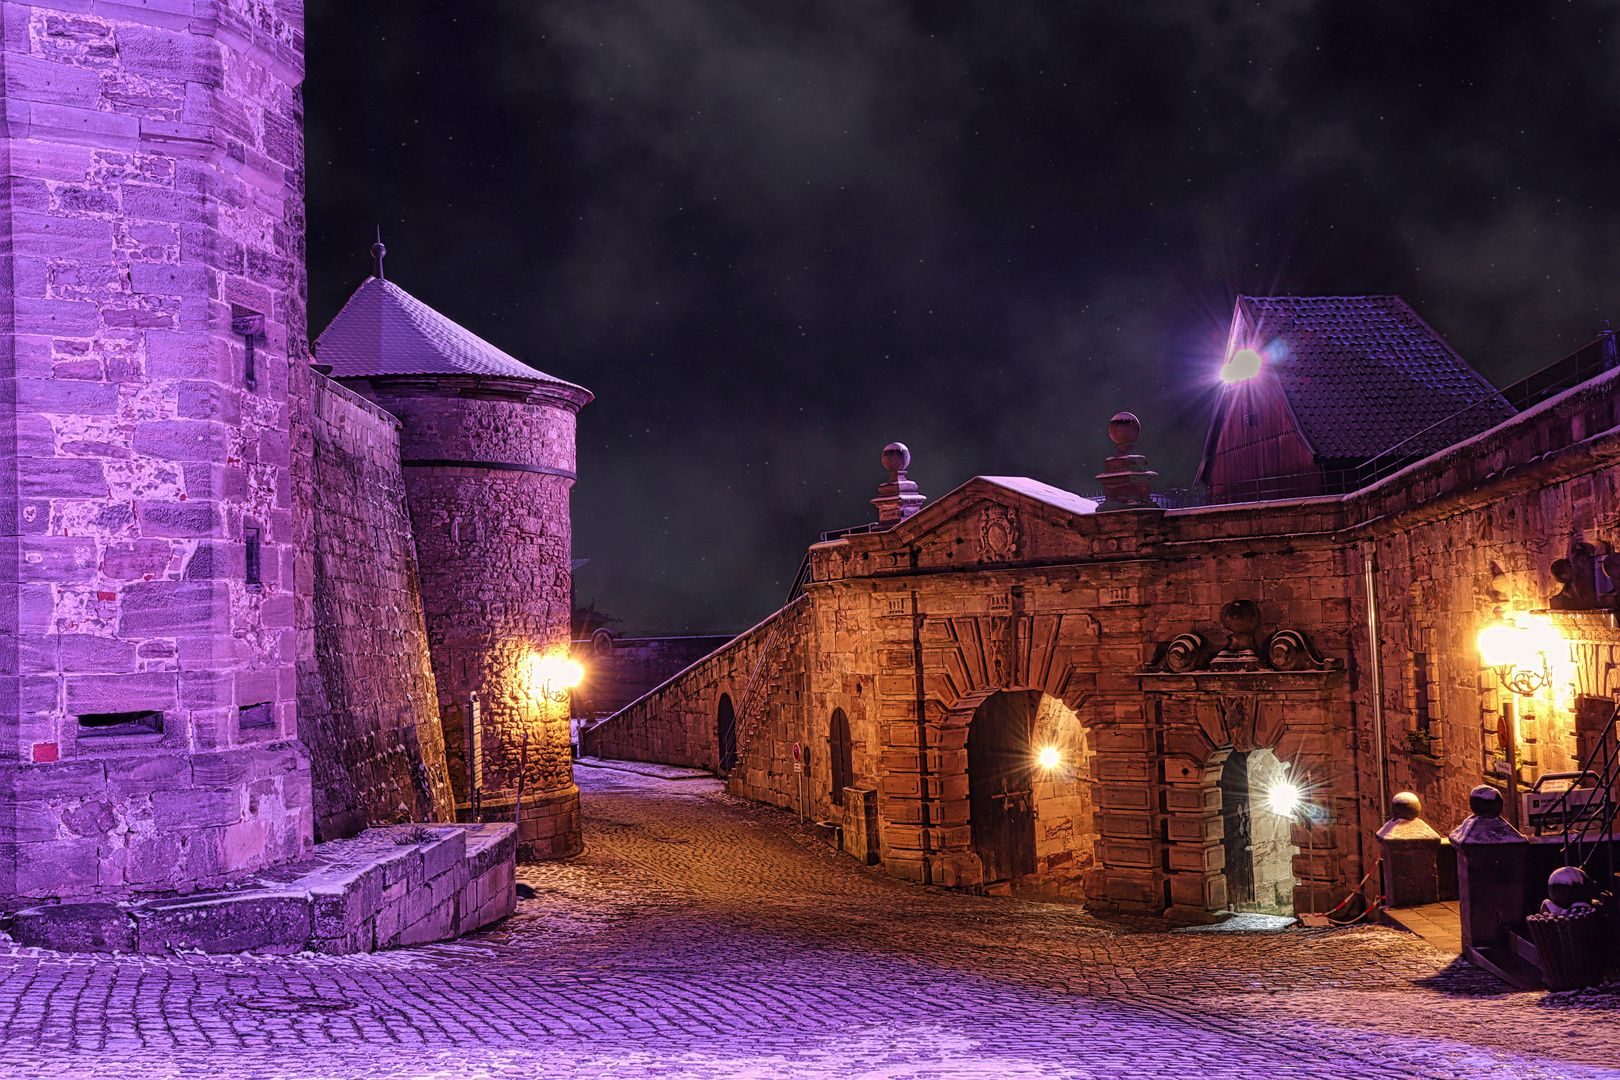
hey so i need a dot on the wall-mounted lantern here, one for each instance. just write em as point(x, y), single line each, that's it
point(551, 677)
point(1522, 652)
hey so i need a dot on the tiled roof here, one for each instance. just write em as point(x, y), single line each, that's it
point(384, 330)
point(1364, 374)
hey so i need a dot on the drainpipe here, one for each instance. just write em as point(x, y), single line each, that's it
point(1376, 652)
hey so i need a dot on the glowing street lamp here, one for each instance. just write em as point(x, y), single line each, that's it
point(1284, 798)
point(1241, 366)
point(1523, 655)
point(551, 677)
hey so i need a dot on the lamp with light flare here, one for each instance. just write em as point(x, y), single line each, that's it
point(1283, 798)
point(1241, 366)
point(1521, 654)
point(551, 677)
point(1050, 758)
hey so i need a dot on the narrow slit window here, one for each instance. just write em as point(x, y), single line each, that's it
point(250, 326)
point(108, 725)
point(254, 575)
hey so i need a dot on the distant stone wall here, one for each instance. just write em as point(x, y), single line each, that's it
point(620, 671)
point(367, 706)
point(677, 724)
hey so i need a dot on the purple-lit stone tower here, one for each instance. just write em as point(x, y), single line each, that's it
point(153, 311)
point(487, 446)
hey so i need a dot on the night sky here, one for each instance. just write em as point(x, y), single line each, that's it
point(772, 237)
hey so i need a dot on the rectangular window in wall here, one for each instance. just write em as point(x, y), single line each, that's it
point(111, 725)
point(250, 536)
point(1422, 704)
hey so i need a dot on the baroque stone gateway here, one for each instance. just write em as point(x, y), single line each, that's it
point(1178, 711)
point(246, 606)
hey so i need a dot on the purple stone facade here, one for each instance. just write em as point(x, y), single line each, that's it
point(489, 463)
point(153, 309)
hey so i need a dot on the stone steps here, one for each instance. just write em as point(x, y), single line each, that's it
point(391, 886)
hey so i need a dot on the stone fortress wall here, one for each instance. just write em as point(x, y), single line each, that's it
point(216, 642)
point(367, 705)
point(153, 306)
point(488, 465)
point(990, 589)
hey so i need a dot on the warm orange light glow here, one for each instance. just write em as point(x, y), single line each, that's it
point(549, 674)
point(1528, 653)
point(1050, 758)
point(1242, 365)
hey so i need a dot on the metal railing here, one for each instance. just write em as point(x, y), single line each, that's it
point(1591, 821)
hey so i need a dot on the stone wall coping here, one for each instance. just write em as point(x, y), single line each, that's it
point(1306, 502)
point(329, 385)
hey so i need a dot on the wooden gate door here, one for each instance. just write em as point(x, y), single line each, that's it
point(842, 755)
point(1237, 819)
point(1001, 796)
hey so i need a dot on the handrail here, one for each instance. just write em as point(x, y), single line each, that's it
point(1602, 812)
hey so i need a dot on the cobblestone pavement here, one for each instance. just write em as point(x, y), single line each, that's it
point(701, 936)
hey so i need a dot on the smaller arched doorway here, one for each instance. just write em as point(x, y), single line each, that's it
point(1258, 844)
point(726, 733)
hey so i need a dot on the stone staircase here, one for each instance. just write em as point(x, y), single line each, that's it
point(780, 644)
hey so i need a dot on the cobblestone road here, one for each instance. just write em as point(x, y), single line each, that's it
point(704, 937)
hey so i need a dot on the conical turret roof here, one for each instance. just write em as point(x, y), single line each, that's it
point(384, 330)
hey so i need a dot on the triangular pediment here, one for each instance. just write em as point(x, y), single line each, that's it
point(994, 521)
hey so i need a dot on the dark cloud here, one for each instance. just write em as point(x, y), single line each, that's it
point(772, 237)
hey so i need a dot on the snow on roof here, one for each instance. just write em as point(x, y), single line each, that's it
point(384, 330)
point(1046, 493)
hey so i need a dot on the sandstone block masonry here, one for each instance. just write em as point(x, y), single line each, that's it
point(153, 314)
point(367, 706)
point(1122, 617)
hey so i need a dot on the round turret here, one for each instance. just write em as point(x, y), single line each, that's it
point(487, 448)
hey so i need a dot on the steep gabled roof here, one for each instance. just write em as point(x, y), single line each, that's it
point(384, 330)
point(1364, 375)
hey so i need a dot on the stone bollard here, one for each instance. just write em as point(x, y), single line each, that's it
point(1411, 852)
point(1490, 870)
point(861, 824)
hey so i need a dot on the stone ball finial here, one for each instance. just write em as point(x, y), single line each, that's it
point(1568, 886)
point(897, 459)
point(1485, 801)
point(1124, 429)
point(1241, 617)
point(1407, 806)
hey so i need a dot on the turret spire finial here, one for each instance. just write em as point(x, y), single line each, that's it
point(377, 253)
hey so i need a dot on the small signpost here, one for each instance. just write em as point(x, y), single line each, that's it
point(798, 769)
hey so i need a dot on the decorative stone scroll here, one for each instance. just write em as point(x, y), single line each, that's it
point(1285, 649)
